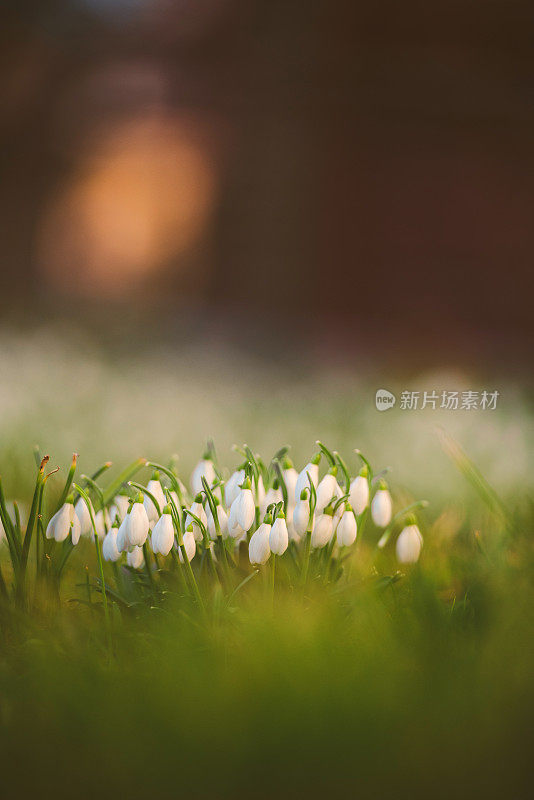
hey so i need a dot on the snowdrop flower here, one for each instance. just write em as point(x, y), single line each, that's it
point(82, 512)
point(409, 543)
point(301, 514)
point(328, 488)
point(123, 541)
point(155, 488)
point(273, 495)
point(120, 506)
point(303, 481)
point(63, 522)
point(381, 507)
point(110, 551)
point(135, 558)
point(190, 545)
point(138, 528)
point(347, 530)
point(290, 476)
point(102, 523)
point(259, 549)
point(204, 469)
point(231, 489)
point(278, 536)
point(223, 522)
point(162, 538)
point(359, 492)
point(323, 529)
point(243, 510)
point(198, 510)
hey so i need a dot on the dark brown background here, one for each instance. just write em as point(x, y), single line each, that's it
point(370, 164)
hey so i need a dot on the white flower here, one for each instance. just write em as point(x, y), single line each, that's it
point(163, 533)
point(258, 548)
point(84, 517)
point(102, 523)
point(243, 511)
point(347, 529)
point(155, 488)
point(327, 489)
point(303, 481)
point(301, 516)
point(123, 541)
point(198, 510)
point(190, 546)
point(381, 507)
point(322, 530)
point(204, 469)
point(138, 527)
point(260, 491)
point(62, 522)
point(231, 489)
point(279, 537)
point(119, 507)
point(135, 557)
point(359, 494)
point(110, 550)
point(223, 522)
point(273, 495)
point(409, 544)
point(290, 475)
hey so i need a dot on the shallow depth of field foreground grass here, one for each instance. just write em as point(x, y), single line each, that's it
point(417, 687)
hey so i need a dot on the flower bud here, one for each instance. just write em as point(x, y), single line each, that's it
point(322, 530)
point(278, 536)
point(110, 550)
point(302, 481)
point(301, 515)
point(82, 512)
point(198, 510)
point(155, 488)
point(63, 521)
point(359, 494)
point(162, 538)
point(347, 530)
point(204, 469)
point(139, 526)
point(259, 549)
point(409, 544)
point(381, 507)
point(327, 489)
point(190, 546)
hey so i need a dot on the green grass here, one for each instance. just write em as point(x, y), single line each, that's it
point(420, 686)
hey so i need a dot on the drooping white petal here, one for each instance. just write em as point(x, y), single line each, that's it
point(381, 508)
point(123, 538)
point(259, 549)
point(301, 515)
point(135, 557)
point(279, 537)
point(139, 526)
point(59, 526)
point(326, 490)
point(198, 510)
point(346, 530)
point(163, 535)
point(302, 480)
point(110, 550)
point(204, 469)
point(322, 530)
point(84, 516)
point(190, 547)
point(359, 494)
point(245, 510)
point(409, 545)
point(231, 489)
point(154, 487)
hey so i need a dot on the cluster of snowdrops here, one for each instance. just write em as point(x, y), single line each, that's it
point(266, 508)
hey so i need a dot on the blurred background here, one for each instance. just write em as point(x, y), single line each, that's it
point(241, 218)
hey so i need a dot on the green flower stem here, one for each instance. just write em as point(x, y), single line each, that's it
point(273, 578)
point(326, 452)
point(191, 576)
point(306, 558)
point(147, 567)
point(83, 494)
point(68, 482)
